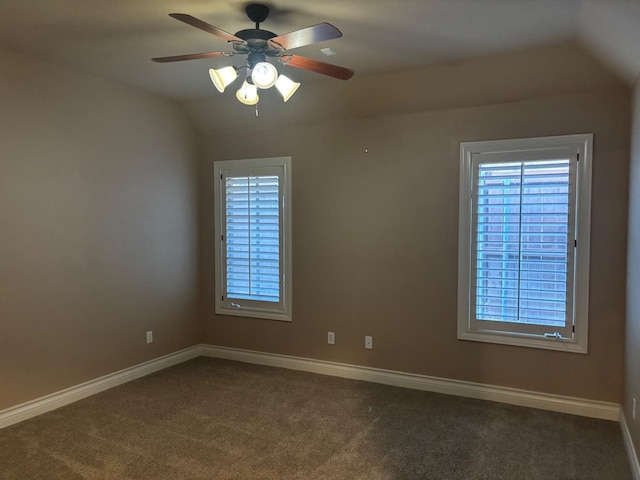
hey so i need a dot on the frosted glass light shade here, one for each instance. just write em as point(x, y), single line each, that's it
point(286, 87)
point(264, 75)
point(247, 94)
point(223, 77)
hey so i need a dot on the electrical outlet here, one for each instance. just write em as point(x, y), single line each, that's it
point(331, 338)
point(633, 408)
point(368, 342)
point(150, 336)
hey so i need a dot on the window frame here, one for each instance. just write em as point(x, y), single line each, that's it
point(468, 328)
point(254, 308)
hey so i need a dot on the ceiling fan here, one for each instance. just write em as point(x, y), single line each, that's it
point(258, 44)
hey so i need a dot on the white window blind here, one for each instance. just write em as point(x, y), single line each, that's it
point(253, 228)
point(524, 242)
point(253, 237)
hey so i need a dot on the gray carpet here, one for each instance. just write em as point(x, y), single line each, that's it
point(217, 419)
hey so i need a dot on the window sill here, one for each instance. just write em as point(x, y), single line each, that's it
point(252, 313)
point(570, 346)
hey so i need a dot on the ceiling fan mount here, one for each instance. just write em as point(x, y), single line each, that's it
point(257, 13)
point(258, 43)
point(256, 38)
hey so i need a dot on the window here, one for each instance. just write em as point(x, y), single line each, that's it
point(253, 238)
point(523, 258)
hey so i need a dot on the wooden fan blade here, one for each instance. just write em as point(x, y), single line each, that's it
point(307, 36)
point(317, 67)
point(191, 56)
point(194, 22)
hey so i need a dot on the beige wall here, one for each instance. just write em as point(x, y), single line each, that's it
point(98, 228)
point(375, 234)
point(632, 360)
point(98, 212)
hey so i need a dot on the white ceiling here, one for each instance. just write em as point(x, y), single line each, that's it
point(115, 39)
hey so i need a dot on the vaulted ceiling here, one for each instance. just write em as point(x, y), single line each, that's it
point(115, 39)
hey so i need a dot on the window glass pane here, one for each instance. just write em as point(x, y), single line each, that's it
point(522, 239)
point(253, 238)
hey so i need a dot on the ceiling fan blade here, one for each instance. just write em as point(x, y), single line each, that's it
point(191, 56)
point(307, 36)
point(194, 22)
point(316, 66)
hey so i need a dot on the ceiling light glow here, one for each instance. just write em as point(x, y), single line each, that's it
point(264, 75)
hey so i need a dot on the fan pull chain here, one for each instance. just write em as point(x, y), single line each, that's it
point(257, 110)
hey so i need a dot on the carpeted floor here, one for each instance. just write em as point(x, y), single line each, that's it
point(217, 419)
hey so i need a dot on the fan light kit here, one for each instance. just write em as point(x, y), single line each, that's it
point(257, 45)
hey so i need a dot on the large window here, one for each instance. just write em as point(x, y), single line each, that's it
point(253, 238)
point(524, 242)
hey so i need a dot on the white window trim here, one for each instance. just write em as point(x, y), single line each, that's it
point(583, 143)
point(283, 310)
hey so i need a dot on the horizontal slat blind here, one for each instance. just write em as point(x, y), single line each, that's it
point(523, 241)
point(253, 237)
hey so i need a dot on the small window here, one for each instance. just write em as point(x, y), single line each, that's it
point(523, 260)
point(253, 238)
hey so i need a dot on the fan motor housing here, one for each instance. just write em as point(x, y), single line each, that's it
point(255, 34)
point(256, 41)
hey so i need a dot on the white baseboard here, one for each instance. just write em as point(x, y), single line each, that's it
point(513, 396)
point(631, 451)
point(556, 403)
point(59, 399)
